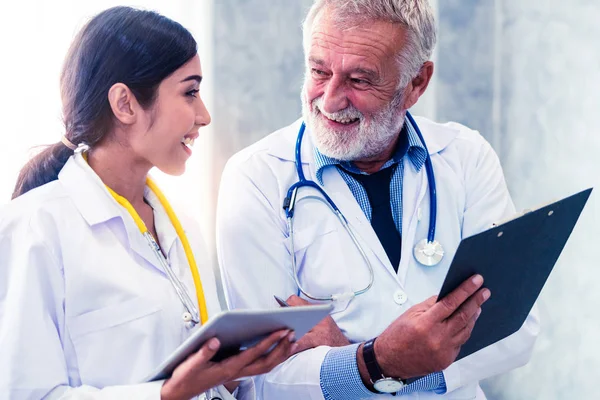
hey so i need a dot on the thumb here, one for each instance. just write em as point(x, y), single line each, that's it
point(294, 300)
point(206, 352)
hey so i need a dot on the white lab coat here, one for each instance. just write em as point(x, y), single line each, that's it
point(86, 311)
point(254, 249)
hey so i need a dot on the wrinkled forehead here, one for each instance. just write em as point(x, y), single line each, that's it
point(354, 39)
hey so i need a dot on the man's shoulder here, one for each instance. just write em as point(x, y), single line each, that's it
point(278, 145)
point(450, 136)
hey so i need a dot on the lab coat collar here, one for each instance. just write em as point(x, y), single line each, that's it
point(437, 138)
point(97, 206)
point(88, 192)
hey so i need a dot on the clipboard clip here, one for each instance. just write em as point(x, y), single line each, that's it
point(520, 214)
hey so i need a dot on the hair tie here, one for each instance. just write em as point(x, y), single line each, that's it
point(68, 143)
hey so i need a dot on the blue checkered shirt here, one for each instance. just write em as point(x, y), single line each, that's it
point(340, 378)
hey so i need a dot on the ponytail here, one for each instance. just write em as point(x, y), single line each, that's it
point(122, 44)
point(42, 168)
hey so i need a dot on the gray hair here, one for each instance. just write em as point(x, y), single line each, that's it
point(416, 16)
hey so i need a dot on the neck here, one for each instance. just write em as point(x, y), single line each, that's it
point(120, 171)
point(373, 164)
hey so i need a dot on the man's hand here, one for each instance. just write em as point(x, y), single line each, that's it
point(428, 336)
point(325, 333)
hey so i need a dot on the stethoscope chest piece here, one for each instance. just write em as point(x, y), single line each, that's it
point(429, 253)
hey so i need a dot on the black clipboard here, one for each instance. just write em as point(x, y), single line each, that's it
point(515, 259)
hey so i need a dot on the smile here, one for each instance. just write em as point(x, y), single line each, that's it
point(188, 142)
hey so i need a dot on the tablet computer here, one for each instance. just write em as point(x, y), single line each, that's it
point(515, 259)
point(241, 329)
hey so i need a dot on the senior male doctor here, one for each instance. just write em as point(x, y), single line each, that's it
point(367, 62)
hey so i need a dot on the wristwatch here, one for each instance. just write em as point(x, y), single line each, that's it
point(380, 382)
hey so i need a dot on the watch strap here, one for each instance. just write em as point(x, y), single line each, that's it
point(373, 368)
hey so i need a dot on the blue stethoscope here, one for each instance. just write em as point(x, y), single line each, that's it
point(427, 252)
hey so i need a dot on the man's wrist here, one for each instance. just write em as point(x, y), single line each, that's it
point(362, 369)
point(381, 381)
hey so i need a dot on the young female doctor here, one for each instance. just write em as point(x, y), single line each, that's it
point(99, 278)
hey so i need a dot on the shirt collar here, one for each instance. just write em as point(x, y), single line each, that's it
point(409, 143)
point(167, 235)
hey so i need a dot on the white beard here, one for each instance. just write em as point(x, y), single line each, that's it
point(367, 139)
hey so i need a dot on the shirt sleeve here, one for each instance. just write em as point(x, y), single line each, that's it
point(349, 385)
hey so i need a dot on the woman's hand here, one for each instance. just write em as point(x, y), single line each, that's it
point(198, 374)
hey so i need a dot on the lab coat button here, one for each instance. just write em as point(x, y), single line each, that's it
point(187, 317)
point(400, 297)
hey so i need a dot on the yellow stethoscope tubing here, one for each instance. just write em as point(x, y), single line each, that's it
point(180, 232)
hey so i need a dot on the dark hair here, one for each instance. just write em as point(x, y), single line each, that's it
point(135, 47)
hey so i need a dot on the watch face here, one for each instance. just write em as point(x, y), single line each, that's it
point(388, 385)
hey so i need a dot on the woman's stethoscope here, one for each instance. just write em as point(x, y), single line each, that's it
point(427, 252)
point(192, 316)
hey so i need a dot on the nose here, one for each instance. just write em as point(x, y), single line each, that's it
point(202, 115)
point(334, 96)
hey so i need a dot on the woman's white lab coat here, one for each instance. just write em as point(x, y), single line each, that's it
point(254, 248)
point(85, 310)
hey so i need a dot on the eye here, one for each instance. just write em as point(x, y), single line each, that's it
point(317, 72)
point(360, 82)
point(193, 93)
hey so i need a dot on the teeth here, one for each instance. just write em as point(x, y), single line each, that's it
point(343, 121)
point(189, 142)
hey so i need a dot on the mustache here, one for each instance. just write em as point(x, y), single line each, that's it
point(349, 112)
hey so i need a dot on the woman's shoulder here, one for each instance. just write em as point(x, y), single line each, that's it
point(47, 202)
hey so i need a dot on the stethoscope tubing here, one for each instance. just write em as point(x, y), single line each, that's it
point(290, 202)
point(430, 180)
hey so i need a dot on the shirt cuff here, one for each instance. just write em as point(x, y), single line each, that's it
point(433, 382)
point(340, 378)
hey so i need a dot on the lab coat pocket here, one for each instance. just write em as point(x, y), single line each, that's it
point(322, 265)
point(105, 337)
point(113, 315)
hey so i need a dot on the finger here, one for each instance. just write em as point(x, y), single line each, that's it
point(278, 355)
point(467, 310)
point(206, 352)
point(294, 300)
point(464, 334)
point(449, 304)
point(430, 302)
point(248, 356)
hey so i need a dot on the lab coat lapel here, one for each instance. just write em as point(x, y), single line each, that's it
point(97, 206)
point(414, 189)
point(342, 196)
point(139, 244)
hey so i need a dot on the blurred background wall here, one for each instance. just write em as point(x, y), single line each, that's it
point(526, 74)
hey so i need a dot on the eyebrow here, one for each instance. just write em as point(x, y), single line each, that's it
point(317, 61)
point(197, 78)
point(368, 72)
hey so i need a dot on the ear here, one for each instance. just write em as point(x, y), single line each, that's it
point(418, 85)
point(123, 103)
